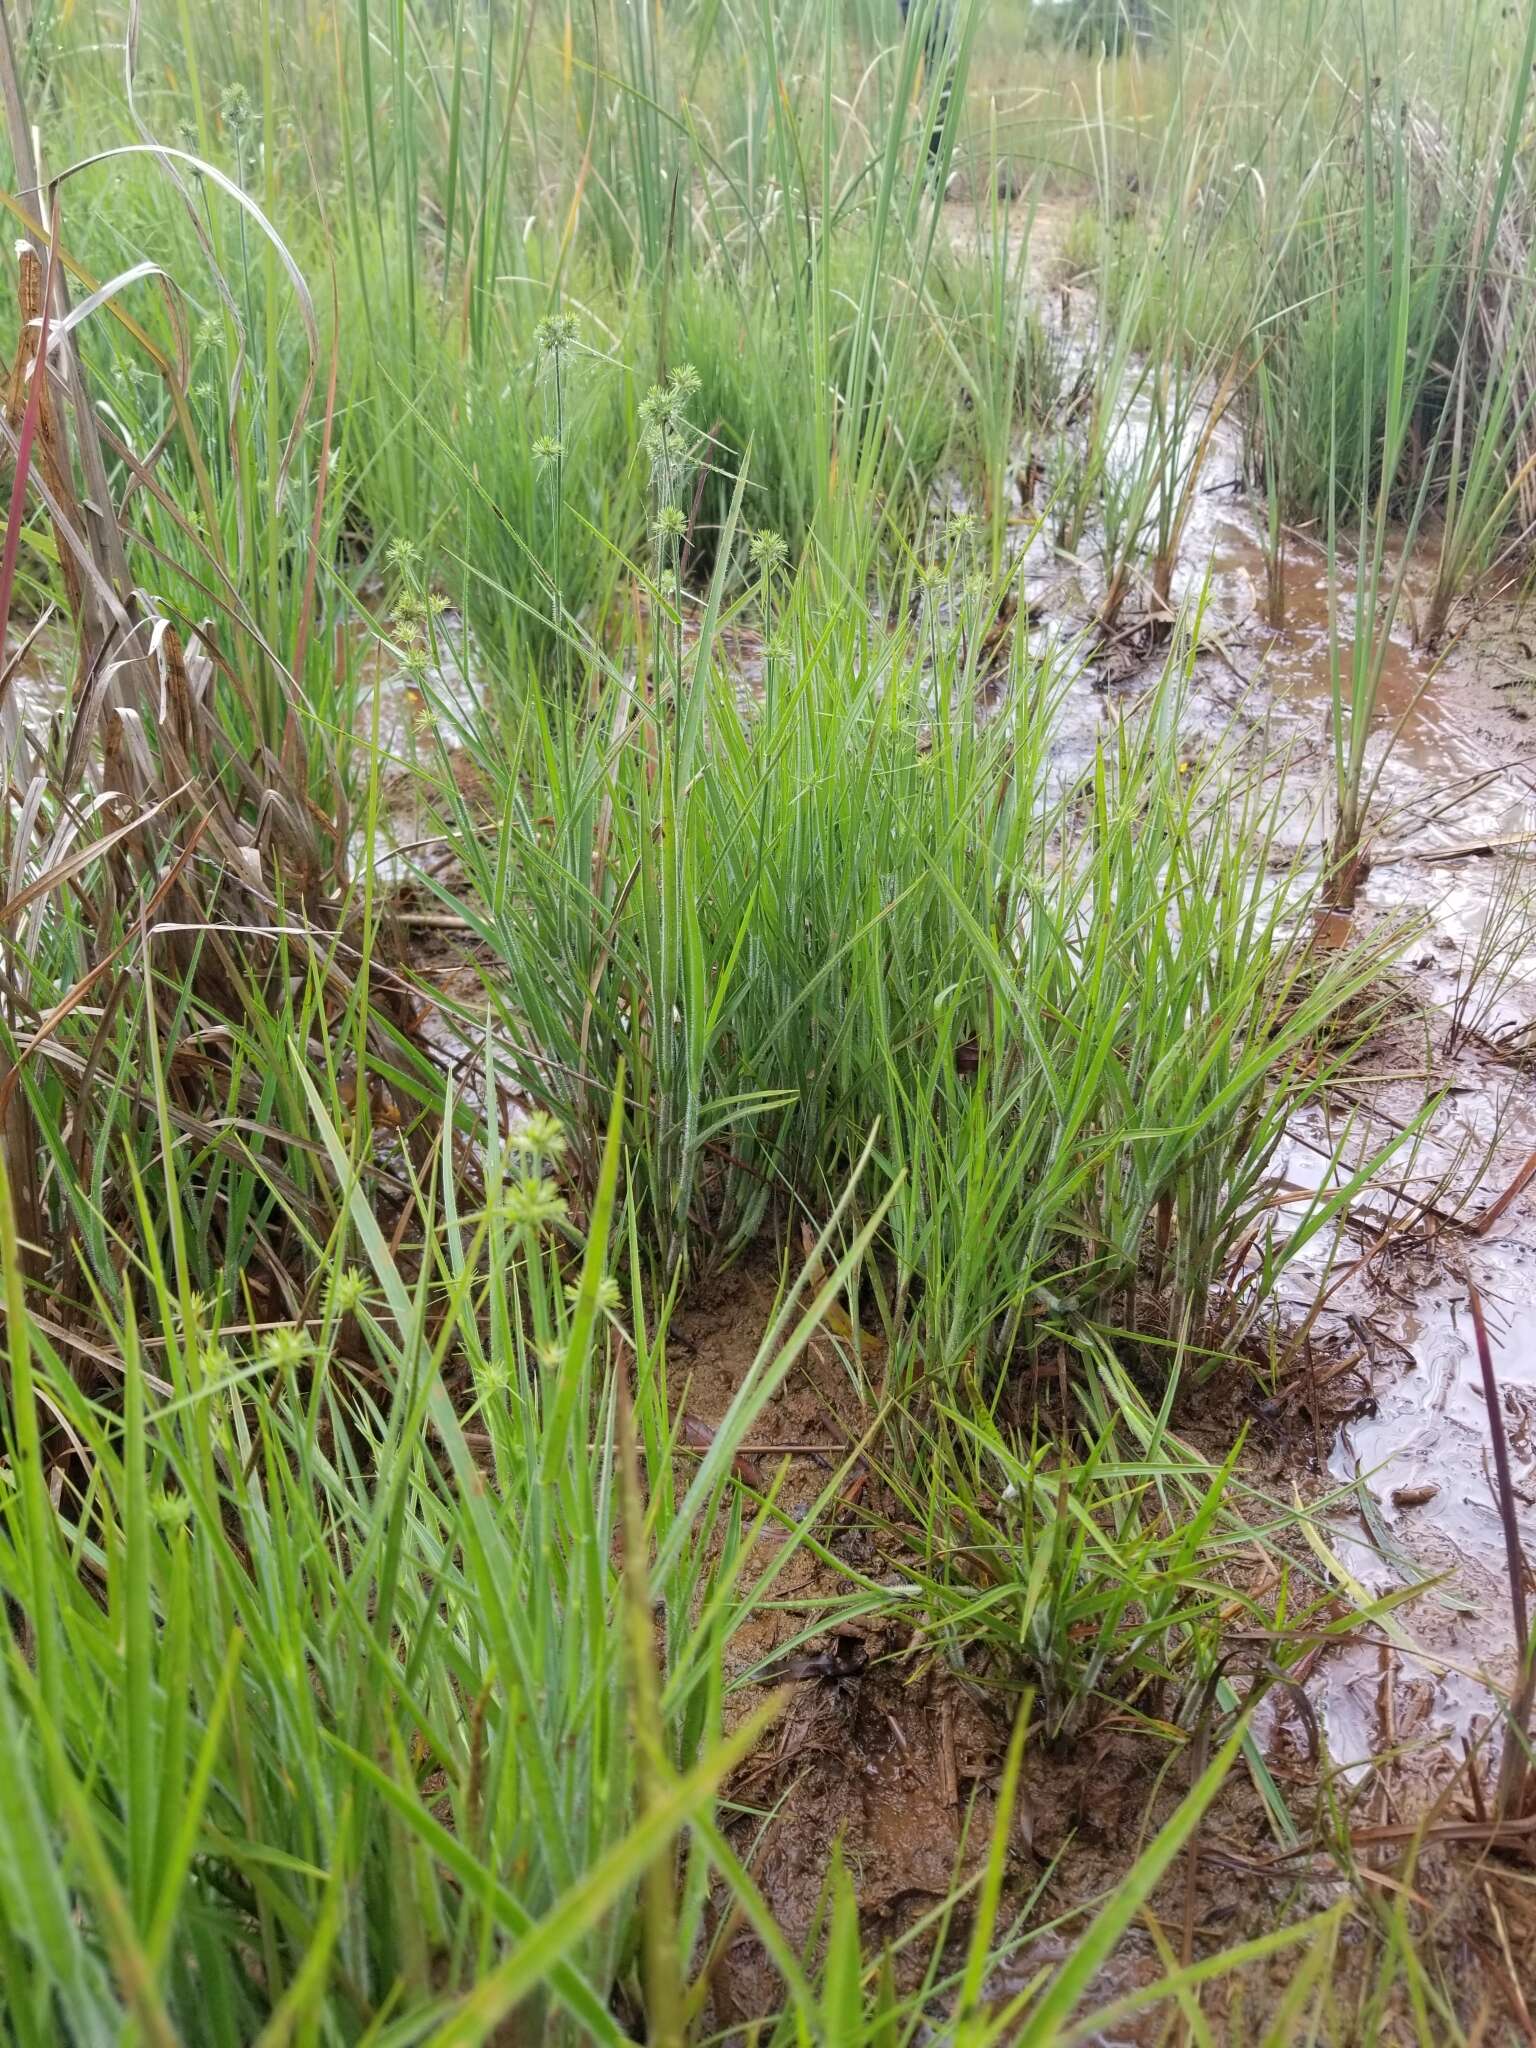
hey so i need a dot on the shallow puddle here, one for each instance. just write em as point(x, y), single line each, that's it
point(1454, 819)
point(1454, 849)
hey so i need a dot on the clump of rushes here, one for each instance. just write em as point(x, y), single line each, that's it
point(556, 340)
point(325, 1709)
point(673, 448)
point(1389, 372)
point(1267, 440)
point(339, 1721)
point(768, 554)
point(828, 927)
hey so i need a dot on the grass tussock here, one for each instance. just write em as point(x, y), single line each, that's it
point(533, 773)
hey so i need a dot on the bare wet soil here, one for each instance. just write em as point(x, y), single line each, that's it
point(889, 1753)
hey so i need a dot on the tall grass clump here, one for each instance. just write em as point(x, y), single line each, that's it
point(847, 902)
point(550, 789)
point(321, 1716)
point(1398, 374)
point(365, 1671)
point(1010, 370)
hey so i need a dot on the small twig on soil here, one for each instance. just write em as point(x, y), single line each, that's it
point(1512, 1975)
point(776, 1450)
point(1474, 1779)
point(1386, 1696)
point(1482, 1224)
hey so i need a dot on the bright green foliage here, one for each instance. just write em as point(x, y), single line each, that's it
point(600, 812)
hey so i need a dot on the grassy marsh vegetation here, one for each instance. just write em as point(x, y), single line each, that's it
point(553, 791)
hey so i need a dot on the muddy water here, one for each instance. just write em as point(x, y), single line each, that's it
point(1454, 847)
point(1454, 835)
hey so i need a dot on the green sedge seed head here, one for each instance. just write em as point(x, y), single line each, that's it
point(235, 109)
point(767, 551)
point(534, 1203)
point(556, 335)
point(540, 1136)
point(286, 1348)
point(171, 1511)
point(348, 1291)
point(664, 407)
point(607, 1294)
point(658, 413)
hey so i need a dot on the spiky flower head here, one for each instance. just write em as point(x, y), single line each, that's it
point(540, 1136)
point(767, 551)
point(235, 109)
point(348, 1291)
point(171, 1511)
point(557, 335)
point(534, 1203)
point(493, 1376)
point(286, 1348)
point(214, 1361)
point(663, 411)
point(607, 1294)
